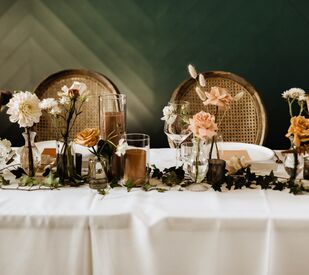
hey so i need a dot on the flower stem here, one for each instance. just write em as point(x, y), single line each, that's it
point(197, 161)
point(290, 107)
point(30, 154)
point(211, 147)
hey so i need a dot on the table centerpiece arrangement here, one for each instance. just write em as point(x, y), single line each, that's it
point(100, 166)
point(64, 112)
point(298, 131)
point(24, 109)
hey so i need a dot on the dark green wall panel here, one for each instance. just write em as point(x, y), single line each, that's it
point(145, 46)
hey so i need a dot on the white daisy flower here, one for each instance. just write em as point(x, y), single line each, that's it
point(293, 93)
point(48, 103)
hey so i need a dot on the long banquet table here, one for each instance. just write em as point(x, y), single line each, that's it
point(77, 231)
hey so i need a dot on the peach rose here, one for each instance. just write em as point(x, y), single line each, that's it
point(299, 129)
point(88, 137)
point(203, 125)
point(218, 96)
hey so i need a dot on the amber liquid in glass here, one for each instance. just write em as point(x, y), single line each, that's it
point(135, 166)
point(113, 124)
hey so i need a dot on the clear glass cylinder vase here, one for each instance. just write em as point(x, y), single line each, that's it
point(29, 155)
point(113, 126)
point(198, 163)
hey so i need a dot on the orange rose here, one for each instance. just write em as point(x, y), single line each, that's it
point(299, 129)
point(203, 125)
point(88, 137)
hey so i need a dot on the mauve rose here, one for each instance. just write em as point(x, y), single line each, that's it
point(219, 97)
point(203, 125)
point(73, 93)
point(88, 137)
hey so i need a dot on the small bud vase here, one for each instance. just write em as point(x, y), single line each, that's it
point(65, 160)
point(29, 155)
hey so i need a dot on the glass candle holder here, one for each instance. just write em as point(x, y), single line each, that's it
point(136, 158)
point(113, 125)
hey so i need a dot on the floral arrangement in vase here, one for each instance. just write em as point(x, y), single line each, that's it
point(64, 111)
point(203, 127)
point(103, 150)
point(222, 100)
point(298, 131)
point(216, 96)
point(24, 109)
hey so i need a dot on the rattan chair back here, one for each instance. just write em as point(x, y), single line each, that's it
point(97, 85)
point(245, 121)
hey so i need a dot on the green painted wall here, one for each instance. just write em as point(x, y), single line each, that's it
point(144, 46)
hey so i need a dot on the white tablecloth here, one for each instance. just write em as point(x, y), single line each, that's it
point(77, 231)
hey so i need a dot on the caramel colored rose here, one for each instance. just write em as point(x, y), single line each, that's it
point(299, 129)
point(88, 137)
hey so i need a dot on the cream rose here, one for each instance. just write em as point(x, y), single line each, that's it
point(88, 137)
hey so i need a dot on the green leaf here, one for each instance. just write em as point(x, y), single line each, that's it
point(19, 172)
point(147, 187)
point(25, 180)
point(129, 184)
point(3, 181)
point(51, 181)
point(102, 192)
point(114, 183)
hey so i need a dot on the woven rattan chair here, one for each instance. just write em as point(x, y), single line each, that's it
point(245, 121)
point(97, 84)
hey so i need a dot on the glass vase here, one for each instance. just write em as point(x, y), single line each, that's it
point(29, 155)
point(216, 171)
point(65, 160)
point(293, 163)
point(99, 172)
point(113, 126)
point(136, 159)
point(198, 163)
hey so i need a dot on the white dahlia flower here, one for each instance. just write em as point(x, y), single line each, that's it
point(24, 108)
